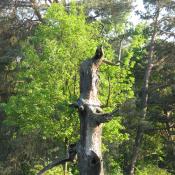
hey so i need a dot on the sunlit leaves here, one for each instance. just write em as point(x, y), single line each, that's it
point(49, 75)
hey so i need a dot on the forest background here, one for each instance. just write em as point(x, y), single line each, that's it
point(42, 44)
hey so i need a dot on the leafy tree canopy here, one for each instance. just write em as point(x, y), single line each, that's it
point(48, 79)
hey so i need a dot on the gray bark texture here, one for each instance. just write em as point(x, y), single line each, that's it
point(89, 153)
point(89, 148)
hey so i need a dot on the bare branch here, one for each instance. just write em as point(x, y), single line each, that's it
point(106, 117)
point(160, 86)
point(110, 63)
point(71, 156)
point(53, 164)
point(74, 105)
point(159, 62)
point(109, 91)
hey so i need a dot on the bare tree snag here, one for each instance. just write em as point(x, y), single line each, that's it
point(90, 160)
point(88, 149)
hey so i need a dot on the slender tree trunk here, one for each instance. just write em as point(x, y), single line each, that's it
point(144, 97)
point(120, 50)
point(65, 168)
point(170, 137)
point(66, 150)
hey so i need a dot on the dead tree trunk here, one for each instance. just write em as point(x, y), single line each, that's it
point(88, 149)
point(90, 159)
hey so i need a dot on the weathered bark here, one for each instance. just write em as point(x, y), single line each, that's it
point(144, 97)
point(88, 149)
point(36, 10)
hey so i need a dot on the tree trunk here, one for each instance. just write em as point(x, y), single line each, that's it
point(120, 50)
point(88, 149)
point(144, 97)
point(90, 160)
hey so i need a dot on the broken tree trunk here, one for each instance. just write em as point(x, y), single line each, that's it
point(90, 160)
point(88, 149)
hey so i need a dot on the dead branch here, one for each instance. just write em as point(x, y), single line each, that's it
point(51, 165)
point(106, 117)
point(109, 92)
point(71, 156)
point(110, 63)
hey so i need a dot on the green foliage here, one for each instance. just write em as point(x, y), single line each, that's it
point(112, 131)
point(46, 81)
point(49, 74)
point(152, 150)
point(112, 138)
point(115, 85)
point(48, 77)
point(112, 166)
point(151, 169)
point(55, 170)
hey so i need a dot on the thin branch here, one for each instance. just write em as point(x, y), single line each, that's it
point(159, 62)
point(110, 63)
point(158, 129)
point(71, 156)
point(106, 117)
point(75, 79)
point(109, 92)
point(56, 162)
point(120, 48)
point(74, 105)
point(162, 86)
